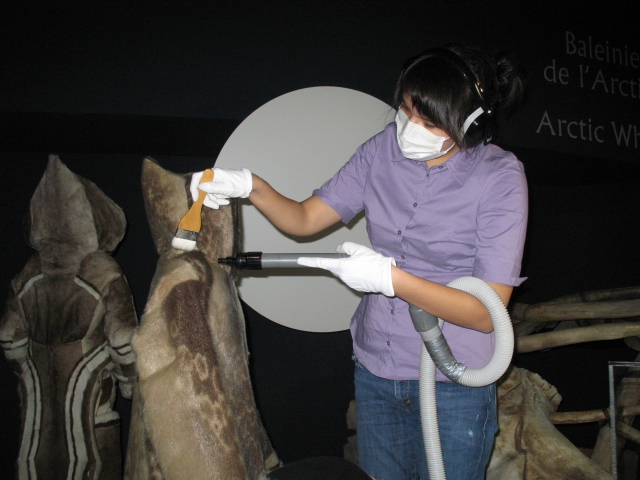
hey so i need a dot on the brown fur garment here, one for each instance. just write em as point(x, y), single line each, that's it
point(67, 330)
point(194, 412)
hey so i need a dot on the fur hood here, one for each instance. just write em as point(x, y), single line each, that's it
point(167, 200)
point(70, 217)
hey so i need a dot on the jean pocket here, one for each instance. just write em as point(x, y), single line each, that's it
point(356, 361)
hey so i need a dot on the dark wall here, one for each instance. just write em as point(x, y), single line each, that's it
point(103, 85)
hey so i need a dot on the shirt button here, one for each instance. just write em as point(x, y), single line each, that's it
point(415, 204)
point(402, 257)
point(392, 311)
point(388, 343)
point(399, 232)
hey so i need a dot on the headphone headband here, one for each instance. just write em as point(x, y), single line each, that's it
point(463, 68)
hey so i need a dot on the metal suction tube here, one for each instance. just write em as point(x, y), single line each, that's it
point(259, 260)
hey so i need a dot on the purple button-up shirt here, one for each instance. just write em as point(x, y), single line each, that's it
point(466, 217)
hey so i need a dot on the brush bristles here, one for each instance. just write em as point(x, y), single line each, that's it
point(189, 228)
point(183, 244)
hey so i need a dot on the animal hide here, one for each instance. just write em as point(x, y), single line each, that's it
point(529, 447)
point(67, 329)
point(194, 415)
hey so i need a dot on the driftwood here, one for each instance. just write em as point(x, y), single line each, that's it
point(589, 416)
point(528, 446)
point(616, 303)
point(591, 316)
point(612, 331)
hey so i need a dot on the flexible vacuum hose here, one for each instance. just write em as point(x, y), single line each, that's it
point(436, 352)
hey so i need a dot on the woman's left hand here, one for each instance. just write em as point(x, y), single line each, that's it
point(364, 270)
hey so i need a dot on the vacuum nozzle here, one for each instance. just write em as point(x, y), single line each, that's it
point(244, 261)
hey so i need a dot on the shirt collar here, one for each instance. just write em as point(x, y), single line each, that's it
point(459, 165)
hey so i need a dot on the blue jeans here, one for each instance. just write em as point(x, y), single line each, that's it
point(390, 444)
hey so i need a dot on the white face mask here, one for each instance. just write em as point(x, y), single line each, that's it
point(416, 142)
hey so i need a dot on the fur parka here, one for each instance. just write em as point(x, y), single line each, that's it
point(194, 415)
point(67, 329)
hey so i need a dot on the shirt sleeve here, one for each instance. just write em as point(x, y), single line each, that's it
point(502, 224)
point(344, 192)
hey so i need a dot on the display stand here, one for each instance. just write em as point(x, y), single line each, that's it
point(618, 372)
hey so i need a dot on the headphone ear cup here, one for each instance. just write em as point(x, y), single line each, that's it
point(478, 131)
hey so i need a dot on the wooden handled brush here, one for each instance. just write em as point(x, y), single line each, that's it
point(188, 230)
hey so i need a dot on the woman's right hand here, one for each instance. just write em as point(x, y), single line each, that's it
point(294, 218)
point(227, 183)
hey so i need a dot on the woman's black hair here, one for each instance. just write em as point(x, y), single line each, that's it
point(438, 85)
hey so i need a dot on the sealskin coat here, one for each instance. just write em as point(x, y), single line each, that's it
point(194, 415)
point(66, 332)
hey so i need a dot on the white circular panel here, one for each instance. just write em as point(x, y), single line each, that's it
point(296, 142)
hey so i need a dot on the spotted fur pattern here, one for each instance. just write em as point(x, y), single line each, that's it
point(194, 411)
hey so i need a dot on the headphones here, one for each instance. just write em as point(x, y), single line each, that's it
point(477, 125)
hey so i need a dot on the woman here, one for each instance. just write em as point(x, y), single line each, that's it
point(440, 203)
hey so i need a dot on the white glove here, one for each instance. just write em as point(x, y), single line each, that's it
point(364, 270)
point(227, 183)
